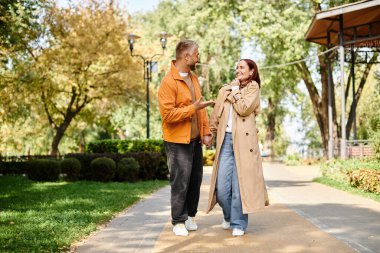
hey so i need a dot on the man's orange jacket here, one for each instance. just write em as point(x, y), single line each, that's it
point(177, 109)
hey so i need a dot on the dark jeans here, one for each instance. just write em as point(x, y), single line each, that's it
point(186, 171)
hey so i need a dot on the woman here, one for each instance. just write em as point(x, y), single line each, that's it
point(237, 182)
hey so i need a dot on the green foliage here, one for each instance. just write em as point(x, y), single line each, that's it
point(366, 179)
point(213, 24)
point(19, 23)
point(375, 143)
point(44, 170)
point(128, 169)
point(127, 146)
point(292, 159)
point(339, 170)
point(208, 157)
point(103, 169)
point(71, 167)
point(50, 217)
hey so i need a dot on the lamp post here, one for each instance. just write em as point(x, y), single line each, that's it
point(148, 64)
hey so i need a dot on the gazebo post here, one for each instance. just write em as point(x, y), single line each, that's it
point(330, 146)
point(353, 87)
point(341, 56)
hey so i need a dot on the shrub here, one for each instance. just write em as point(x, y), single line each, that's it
point(128, 170)
point(148, 161)
point(366, 179)
point(292, 159)
point(103, 169)
point(13, 168)
point(208, 157)
point(133, 146)
point(44, 170)
point(71, 167)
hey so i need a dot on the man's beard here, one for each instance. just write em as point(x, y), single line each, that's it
point(192, 66)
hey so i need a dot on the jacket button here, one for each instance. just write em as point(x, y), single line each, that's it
point(251, 150)
point(247, 134)
point(243, 120)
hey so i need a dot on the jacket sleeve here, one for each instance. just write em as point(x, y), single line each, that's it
point(167, 95)
point(206, 125)
point(214, 119)
point(245, 104)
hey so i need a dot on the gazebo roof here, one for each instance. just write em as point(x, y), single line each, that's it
point(361, 23)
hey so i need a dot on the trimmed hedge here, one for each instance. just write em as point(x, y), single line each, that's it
point(128, 169)
point(148, 161)
point(44, 170)
point(103, 169)
point(71, 167)
point(13, 168)
point(126, 146)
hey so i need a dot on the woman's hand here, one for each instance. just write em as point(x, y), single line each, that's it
point(235, 82)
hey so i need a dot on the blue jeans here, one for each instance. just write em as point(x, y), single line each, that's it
point(227, 186)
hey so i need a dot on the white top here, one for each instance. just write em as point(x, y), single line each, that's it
point(183, 74)
point(229, 122)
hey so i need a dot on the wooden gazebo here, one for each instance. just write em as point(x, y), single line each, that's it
point(355, 25)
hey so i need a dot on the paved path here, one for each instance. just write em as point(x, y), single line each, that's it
point(303, 217)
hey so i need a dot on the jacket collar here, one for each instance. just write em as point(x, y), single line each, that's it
point(175, 72)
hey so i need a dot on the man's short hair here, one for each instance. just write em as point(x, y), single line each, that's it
point(184, 46)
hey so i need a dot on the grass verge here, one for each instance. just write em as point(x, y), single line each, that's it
point(49, 217)
point(348, 188)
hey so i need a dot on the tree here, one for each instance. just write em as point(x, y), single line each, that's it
point(212, 24)
point(86, 62)
point(279, 28)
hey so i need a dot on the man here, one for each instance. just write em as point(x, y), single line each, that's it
point(185, 128)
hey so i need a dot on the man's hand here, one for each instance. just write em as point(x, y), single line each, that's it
point(207, 140)
point(200, 104)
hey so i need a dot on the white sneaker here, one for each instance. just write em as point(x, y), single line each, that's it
point(190, 224)
point(180, 230)
point(225, 224)
point(237, 232)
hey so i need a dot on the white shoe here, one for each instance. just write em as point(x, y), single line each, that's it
point(225, 224)
point(180, 230)
point(237, 232)
point(190, 224)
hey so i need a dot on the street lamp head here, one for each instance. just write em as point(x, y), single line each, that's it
point(131, 40)
point(164, 38)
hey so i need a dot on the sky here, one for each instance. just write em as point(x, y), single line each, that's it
point(130, 5)
point(139, 5)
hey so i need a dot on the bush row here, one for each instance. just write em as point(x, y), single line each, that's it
point(148, 163)
point(86, 166)
point(128, 146)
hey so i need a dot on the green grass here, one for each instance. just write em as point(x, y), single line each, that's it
point(49, 217)
point(346, 187)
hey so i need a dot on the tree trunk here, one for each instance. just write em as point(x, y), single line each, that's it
point(271, 128)
point(59, 133)
point(358, 93)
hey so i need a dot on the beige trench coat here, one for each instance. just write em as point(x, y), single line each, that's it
point(246, 105)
